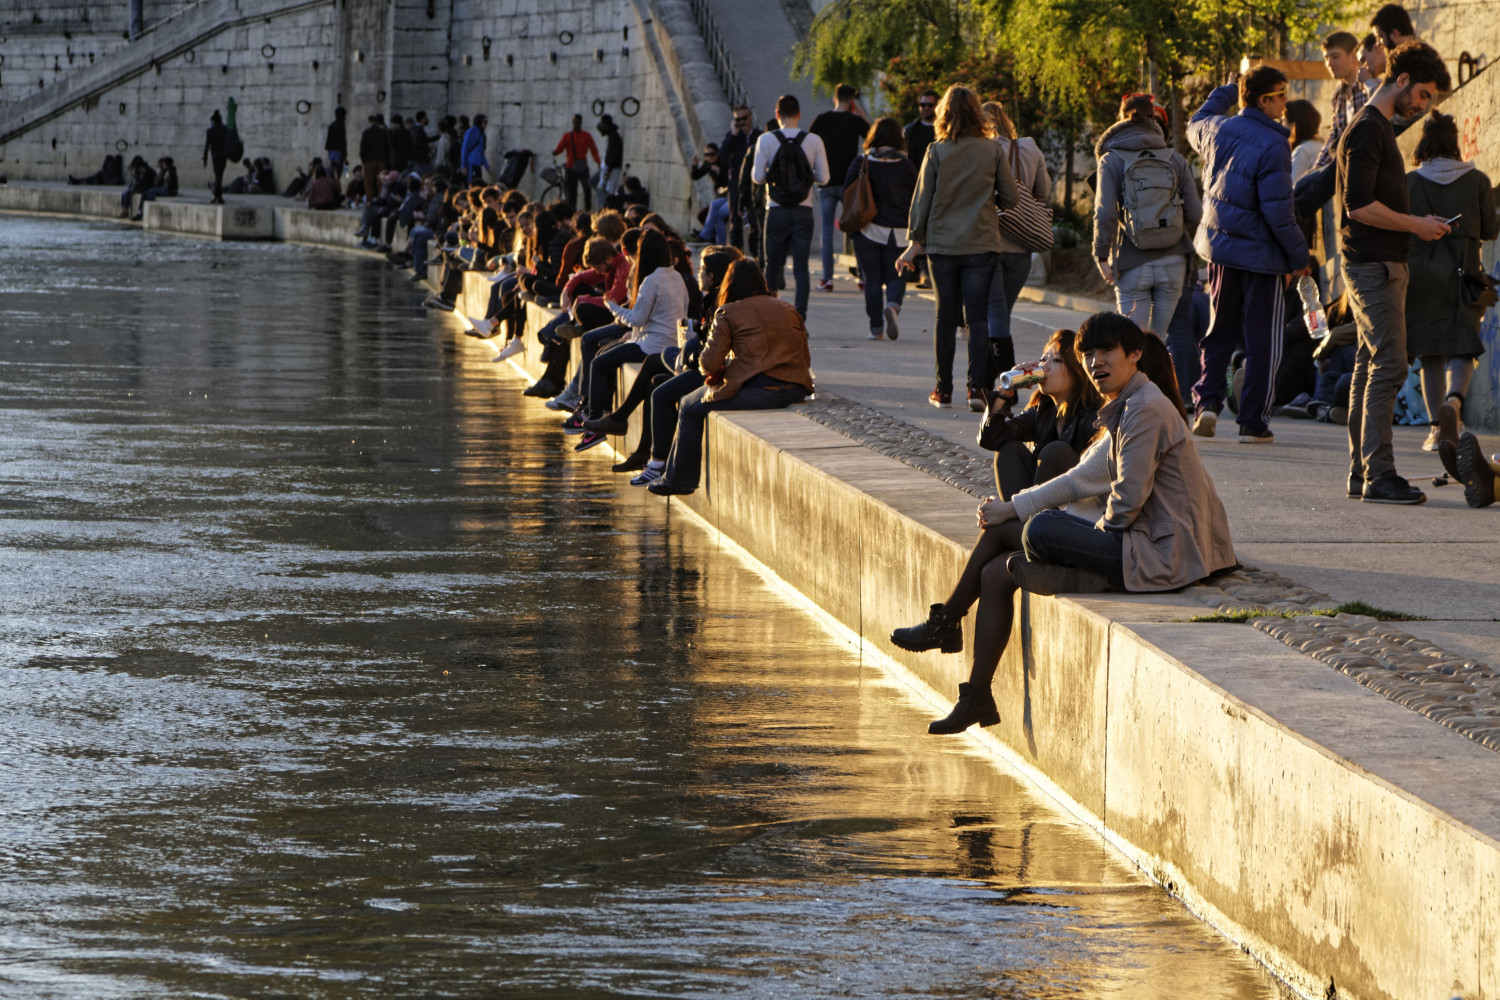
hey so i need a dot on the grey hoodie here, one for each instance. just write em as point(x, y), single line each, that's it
point(1442, 170)
point(1110, 242)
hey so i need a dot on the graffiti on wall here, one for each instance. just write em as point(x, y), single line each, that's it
point(1468, 137)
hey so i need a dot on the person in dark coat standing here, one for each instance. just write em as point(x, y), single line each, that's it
point(738, 141)
point(1251, 241)
point(400, 140)
point(1440, 328)
point(336, 145)
point(216, 145)
point(375, 149)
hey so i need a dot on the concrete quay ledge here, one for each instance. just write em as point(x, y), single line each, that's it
point(1350, 844)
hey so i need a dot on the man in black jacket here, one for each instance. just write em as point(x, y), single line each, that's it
point(375, 151)
point(336, 145)
point(419, 160)
point(216, 145)
point(738, 141)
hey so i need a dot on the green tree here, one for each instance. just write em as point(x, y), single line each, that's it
point(852, 41)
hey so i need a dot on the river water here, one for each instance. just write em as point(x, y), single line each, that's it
point(327, 671)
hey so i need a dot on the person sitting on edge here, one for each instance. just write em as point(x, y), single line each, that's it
point(1044, 442)
point(1163, 526)
point(756, 358)
point(323, 194)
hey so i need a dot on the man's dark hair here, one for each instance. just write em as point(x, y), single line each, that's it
point(931, 93)
point(845, 92)
point(1368, 42)
point(1106, 330)
point(377, 119)
point(1259, 82)
point(439, 184)
point(1421, 64)
point(1393, 17)
point(787, 106)
point(1341, 40)
point(578, 121)
point(1439, 139)
point(413, 184)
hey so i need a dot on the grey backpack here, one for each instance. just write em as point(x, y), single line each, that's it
point(1152, 206)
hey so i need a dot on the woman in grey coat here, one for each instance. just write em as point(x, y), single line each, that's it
point(1440, 329)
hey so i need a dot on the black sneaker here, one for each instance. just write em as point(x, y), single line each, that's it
point(589, 439)
point(542, 389)
point(937, 632)
point(574, 423)
point(662, 488)
point(1356, 487)
point(1391, 488)
point(1474, 472)
point(435, 302)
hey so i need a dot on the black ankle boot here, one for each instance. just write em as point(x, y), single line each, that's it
point(974, 705)
point(937, 632)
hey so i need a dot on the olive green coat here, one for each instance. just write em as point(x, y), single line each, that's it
point(1436, 320)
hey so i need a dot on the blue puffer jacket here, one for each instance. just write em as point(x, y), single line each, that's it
point(1247, 188)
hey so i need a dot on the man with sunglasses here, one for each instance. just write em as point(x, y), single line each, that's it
point(1252, 243)
point(919, 135)
point(739, 139)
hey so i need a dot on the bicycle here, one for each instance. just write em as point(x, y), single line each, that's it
point(553, 176)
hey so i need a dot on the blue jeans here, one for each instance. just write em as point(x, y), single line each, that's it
point(419, 237)
point(789, 229)
point(716, 225)
point(830, 203)
point(961, 284)
point(664, 400)
point(1064, 539)
point(1005, 288)
point(684, 466)
point(877, 263)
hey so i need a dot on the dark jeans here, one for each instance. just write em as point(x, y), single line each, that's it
point(961, 284)
point(601, 386)
point(1011, 272)
point(789, 230)
point(593, 342)
point(418, 244)
point(1063, 539)
point(877, 265)
point(664, 401)
point(1248, 310)
point(684, 466)
point(572, 179)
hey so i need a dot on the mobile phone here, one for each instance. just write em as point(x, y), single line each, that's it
point(1449, 222)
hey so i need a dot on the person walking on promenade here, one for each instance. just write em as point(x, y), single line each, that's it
point(374, 152)
point(789, 162)
point(964, 175)
point(920, 134)
point(216, 146)
point(1029, 165)
point(1251, 241)
point(613, 170)
point(1145, 210)
point(739, 140)
point(893, 181)
point(1442, 324)
point(577, 146)
point(336, 143)
point(754, 358)
point(842, 130)
point(1375, 230)
point(471, 159)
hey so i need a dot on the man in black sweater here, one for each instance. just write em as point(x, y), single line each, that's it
point(1375, 230)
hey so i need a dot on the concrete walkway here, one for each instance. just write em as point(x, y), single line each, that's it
point(1286, 501)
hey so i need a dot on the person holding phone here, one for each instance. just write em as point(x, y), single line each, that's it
point(1441, 329)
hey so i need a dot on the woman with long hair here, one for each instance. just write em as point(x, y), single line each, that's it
point(755, 358)
point(658, 302)
point(893, 180)
point(1013, 267)
point(964, 176)
point(1304, 120)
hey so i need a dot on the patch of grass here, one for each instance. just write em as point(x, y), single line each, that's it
point(1243, 615)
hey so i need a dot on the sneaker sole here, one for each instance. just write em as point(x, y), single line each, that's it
point(892, 330)
point(1205, 428)
point(1475, 472)
point(941, 406)
point(1251, 439)
point(1396, 503)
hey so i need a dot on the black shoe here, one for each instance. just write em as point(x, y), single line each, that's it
point(632, 463)
point(937, 632)
point(662, 488)
point(1391, 488)
point(607, 424)
point(1448, 455)
point(1356, 487)
point(1474, 472)
point(1050, 579)
point(542, 389)
point(974, 705)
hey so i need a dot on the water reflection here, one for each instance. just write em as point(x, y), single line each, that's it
point(328, 672)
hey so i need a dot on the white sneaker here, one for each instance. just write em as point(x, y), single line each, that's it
point(516, 346)
point(650, 474)
point(483, 327)
point(1204, 424)
point(1431, 443)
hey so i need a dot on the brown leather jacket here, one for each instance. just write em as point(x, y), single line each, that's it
point(754, 336)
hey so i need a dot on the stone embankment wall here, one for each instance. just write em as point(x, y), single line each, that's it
point(73, 88)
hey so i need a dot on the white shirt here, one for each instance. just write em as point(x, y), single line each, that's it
point(1304, 155)
point(812, 147)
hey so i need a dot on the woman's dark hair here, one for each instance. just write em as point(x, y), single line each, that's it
point(654, 221)
point(630, 242)
point(583, 223)
point(715, 262)
point(1084, 393)
point(743, 280)
point(1305, 120)
point(886, 133)
point(1439, 139)
point(1156, 363)
point(1106, 330)
point(1138, 108)
point(652, 254)
point(544, 227)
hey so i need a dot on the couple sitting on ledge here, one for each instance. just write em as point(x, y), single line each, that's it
point(1126, 508)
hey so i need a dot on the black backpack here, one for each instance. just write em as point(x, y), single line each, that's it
point(789, 179)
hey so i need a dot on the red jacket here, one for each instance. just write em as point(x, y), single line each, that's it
point(579, 146)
